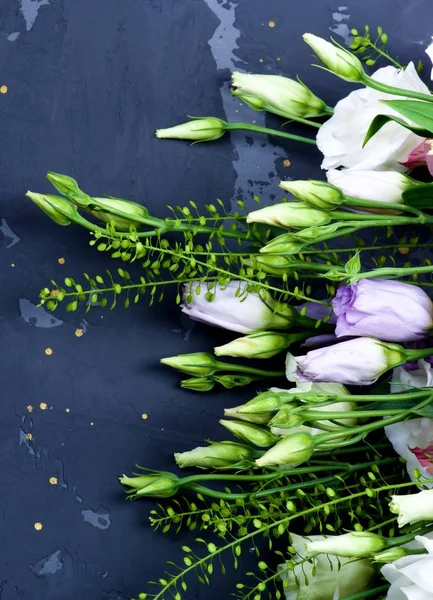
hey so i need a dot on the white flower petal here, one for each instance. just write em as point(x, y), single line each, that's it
point(429, 52)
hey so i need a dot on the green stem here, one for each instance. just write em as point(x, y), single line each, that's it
point(389, 89)
point(392, 272)
point(374, 593)
point(222, 366)
point(259, 129)
point(360, 202)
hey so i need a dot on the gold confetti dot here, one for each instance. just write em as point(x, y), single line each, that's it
point(68, 410)
point(271, 23)
point(287, 162)
point(29, 436)
point(48, 351)
point(79, 332)
point(404, 250)
point(260, 60)
point(241, 104)
point(38, 526)
point(92, 423)
point(144, 416)
point(30, 408)
point(61, 260)
point(278, 58)
point(43, 406)
point(12, 265)
point(3, 89)
point(236, 110)
point(53, 480)
point(254, 121)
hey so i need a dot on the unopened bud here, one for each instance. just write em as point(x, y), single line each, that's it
point(198, 384)
point(60, 210)
point(259, 418)
point(263, 403)
point(293, 450)
point(160, 485)
point(220, 455)
point(315, 193)
point(338, 60)
point(197, 363)
point(232, 381)
point(356, 544)
point(250, 433)
point(289, 214)
point(391, 554)
point(200, 129)
point(263, 344)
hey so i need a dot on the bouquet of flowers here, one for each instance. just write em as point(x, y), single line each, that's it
point(327, 479)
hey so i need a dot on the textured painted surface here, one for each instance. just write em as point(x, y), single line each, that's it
point(83, 400)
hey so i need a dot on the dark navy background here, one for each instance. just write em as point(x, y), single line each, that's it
point(88, 82)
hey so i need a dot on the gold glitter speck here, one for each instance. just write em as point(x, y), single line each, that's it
point(38, 526)
point(278, 58)
point(43, 406)
point(3, 89)
point(260, 60)
point(53, 480)
point(29, 436)
point(61, 260)
point(48, 351)
point(30, 408)
point(68, 410)
point(404, 250)
point(12, 265)
point(79, 332)
point(144, 416)
point(271, 23)
point(287, 162)
point(92, 423)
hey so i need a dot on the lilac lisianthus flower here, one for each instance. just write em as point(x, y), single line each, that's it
point(360, 361)
point(389, 310)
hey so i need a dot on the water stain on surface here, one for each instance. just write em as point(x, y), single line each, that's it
point(37, 316)
point(30, 10)
point(49, 565)
point(340, 28)
point(13, 36)
point(9, 236)
point(99, 518)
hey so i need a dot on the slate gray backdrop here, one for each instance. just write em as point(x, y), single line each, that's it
point(88, 82)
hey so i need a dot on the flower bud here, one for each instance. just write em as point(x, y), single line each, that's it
point(250, 433)
point(263, 403)
point(279, 95)
point(216, 456)
point(198, 384)
point(197, 363)
point(412, 507)
point(259, 418)
point(289, 214)
point(263, 344)
point(232, 381)
point(274, 265)
point(292, 451)
point(315, 193)
point(156, 485)
point(60, 210)
point(286, 419)
point(199, 129)
point(64, 184)
point(356, 544)
point(391, 554)
point(338, 60)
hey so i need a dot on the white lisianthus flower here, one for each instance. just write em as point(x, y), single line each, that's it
point(429, 52)
point(324, 577)
point(410, 576)
point(414, 433)
point(412, 508)
point(340, 139)
point(379, 186)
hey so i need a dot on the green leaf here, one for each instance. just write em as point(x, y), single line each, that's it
point(419, 196)
point(380, 121)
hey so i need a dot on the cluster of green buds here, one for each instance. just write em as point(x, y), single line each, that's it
point(122, 214)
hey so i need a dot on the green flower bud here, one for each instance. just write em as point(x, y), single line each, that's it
point(293, 450)
point(220, 455)
point(274, 265)
point(285, 419)
point(197, 363)
point(315, 193)
point(232, 381)
point(263, 344)
point(60, 210)
point(338, 60)
point(289, 214)
point(277, 94)
point(64, 184)
point(198, 384)
point(250, 433)
point(199, 129)
point(258, 418)
point(391, 554)
point(356, 544)
point(155, 485)
point(262, 403)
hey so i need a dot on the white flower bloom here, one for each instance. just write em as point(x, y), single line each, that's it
point(340, 139)
point(410, 576)
point(379, 186)
point(412, 508)
point(429, 52)
point(325, 577)
point(415, 433)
